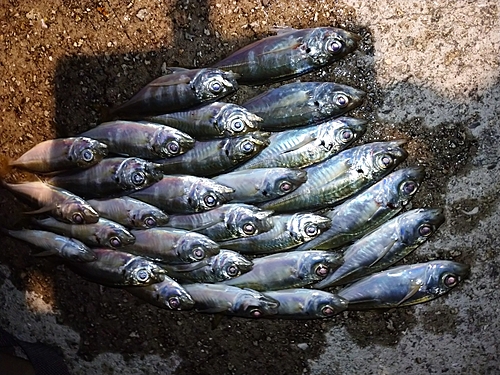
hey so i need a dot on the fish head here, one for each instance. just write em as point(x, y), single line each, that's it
point(206, 195)
point(324, 305)
point(416, 226)
point(212, 84)
point(246, 146)
point(194, 247)
point(327, 44)
point(168, 142)
point(113, 235)
point(349, 131)
point(231, 264)
point(173, 296)
point(245, 220)
point(336, 98)
point(233, 120)
point(135, 174)
point(147, 218)
point(252, 304)
point(141, 271)
point(315, 265)
point(443, 275)
point(402, 185)
point(86, 152)
point(76, 211)
point(282, 181)
point(305, 227)
point(382, 157)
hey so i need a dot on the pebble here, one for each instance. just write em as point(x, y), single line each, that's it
point(303, 346)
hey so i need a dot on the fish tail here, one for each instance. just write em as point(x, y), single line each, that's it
point(5, 168)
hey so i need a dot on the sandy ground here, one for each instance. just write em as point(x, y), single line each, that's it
point(432, 73)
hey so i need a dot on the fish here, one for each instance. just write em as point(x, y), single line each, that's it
point(262, 184)
point(182, 194)
point(61, 154)
point(129, 212)
point(104, 233)
point(293, 269)
point(111, 176)
point(223, 266)
point(210, 158)
point(226, 222)
point(306, 304)
point(214, 120)
point(338, 178)
point(172, 246)
point(404, 285)
point(229, 300)
point(303, 147)
point(177, 91)
point(289, 231)
point(303, 103)
point(115, 268)
point(289, 54)
point(61, 204)
point(385, 246)
point(167, 294)
point(141, 139)
point(367, 210)
point(54, 244)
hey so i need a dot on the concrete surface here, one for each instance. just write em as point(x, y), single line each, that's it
point(432, 70)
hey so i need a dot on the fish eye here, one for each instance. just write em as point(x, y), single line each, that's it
point(385, 161)
point(322, 270)
point(237, 125)
point(198, 253)
point(311, 230)
point(450, 280)
point(285, 186)
point(425, 230)
point(249, 229)
point(233, 270)
point(334, 46)
point(210, 200)
point(215, 87)
point(342, 100)
point(138, 178)
point(255, 313)
point(150, 222)
point(409, 187)
point(115, 242)
point(142, 275)
point(77, 218)
point(174, 302)
point(247, 147)
point(327, 310)
point(87, 155)
point(173, 147)
point(346, 135)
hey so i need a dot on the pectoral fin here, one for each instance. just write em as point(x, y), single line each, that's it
point(386, 249)
point(41, 210)
point(414, 288)
point(169, 80)
point(308, 139)
point(46, 253)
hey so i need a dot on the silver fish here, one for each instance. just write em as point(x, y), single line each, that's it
point(303, 103)
point(110, 177)
point(60, 154)
point(303, 147)
point(141, 139)
point(385, 246)
point(223, 266)
point(288, 54)
point(214, 120)
point(306, 304)
point(229, 300)
point(180, 90)
point(185, 194)
point(209, 158)
point(118, 269)
point(367, 210)
point(226, 222)
point(54, 244)
point(262, 184)
point(345, 174)
point(404, 285)
point(172, 246)
point(61, 204)
point(294, 269)
point(130, 212)
point(289, 231)
point(104, 233)
point(167, 294)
